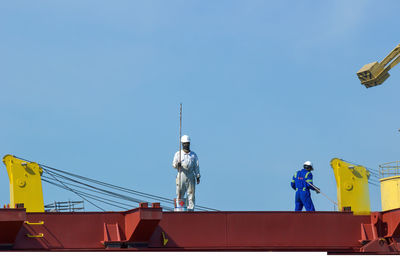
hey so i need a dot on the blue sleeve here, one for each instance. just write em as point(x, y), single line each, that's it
point(292, 183)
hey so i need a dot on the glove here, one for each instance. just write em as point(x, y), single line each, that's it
point(179, 165)
point(317, 190)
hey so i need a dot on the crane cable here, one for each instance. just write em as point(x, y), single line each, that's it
point(150, 196)
point(49, 180)
point(96, 190)
point(373, 172)
point(92, 189)
point(115, 195)
point(78, 194)
point(56, 175)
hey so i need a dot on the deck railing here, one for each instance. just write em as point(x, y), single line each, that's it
point(389, 169)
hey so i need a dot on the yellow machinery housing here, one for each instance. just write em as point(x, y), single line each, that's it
point(25, 183)
point(376, 73)
point(352, 187)
point(390, 185)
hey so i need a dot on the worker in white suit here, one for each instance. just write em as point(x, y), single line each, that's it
point(189, 170)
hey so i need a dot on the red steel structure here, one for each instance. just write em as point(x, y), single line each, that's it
point(150, 229)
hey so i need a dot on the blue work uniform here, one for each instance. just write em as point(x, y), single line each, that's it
point(299, 183)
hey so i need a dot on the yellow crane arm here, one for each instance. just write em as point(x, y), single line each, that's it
point(376, 73)
point(25, 183)
point(352, 186)
point(395, 52)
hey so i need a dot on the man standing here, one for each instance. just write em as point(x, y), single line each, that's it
point(188, 172)
point(302, 182)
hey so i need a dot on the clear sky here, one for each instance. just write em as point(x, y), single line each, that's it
point(94, 87)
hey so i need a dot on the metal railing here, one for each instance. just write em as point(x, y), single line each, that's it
point(389, 169)
point(71, 206)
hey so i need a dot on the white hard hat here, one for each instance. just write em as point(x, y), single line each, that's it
point(185, 138)
point(308, 163)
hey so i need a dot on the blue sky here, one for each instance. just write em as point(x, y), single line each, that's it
point(94, 87)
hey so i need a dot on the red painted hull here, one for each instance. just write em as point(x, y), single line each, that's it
point(150, 229)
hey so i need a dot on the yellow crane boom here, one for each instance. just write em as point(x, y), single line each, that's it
point(25, 183)
point(376, 73)
point(352, 186)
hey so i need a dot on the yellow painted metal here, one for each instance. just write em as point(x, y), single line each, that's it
point(376, 73)
point(40, 235)
point(34, 223)
point(25, 183)
point(165, 239)
point(390, 185)
point(352, 186)
point(390, 189)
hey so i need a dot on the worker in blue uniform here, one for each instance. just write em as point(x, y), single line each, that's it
point(302, 183)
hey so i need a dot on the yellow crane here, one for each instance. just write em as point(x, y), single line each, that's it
point(376, 73)
point(25, 183)
point(352, 186)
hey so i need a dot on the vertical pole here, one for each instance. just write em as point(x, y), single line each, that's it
point(180, 149)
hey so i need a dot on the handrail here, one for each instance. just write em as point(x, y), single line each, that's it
point(34, 223)
point(35, 236)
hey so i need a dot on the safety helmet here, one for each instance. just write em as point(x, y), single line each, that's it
point(185, 138)
point(308, 164)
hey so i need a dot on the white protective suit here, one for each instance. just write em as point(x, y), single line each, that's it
point(190, 171)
